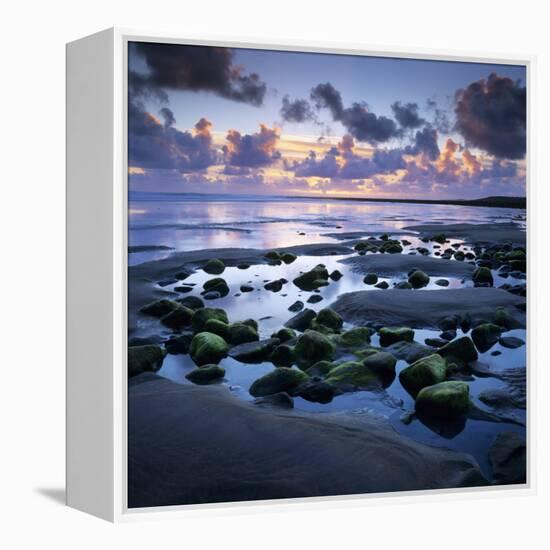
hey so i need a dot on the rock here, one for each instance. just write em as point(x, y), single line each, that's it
point(442, 282)
point(439, 238)
point(382, 364)
point(178, 318)
point(167, 282)
point(310, 280)
point(252, 323)
point(283, 356)
point(215, 326)
point(424, 372)
point(207, 347)
point(448, 323)
point(205, 374)
point(296, 306)
point(302, 320)
point(254, 352)
point(390, 335)
point(246, 288)
point(370, 279)
point(409, 351)
point(279, 400)
point(444, 400)
point(448, 335)
point(419, 279)
point(202, 315)
point(329, 318)
point(183, 289)
point(216, 285)
point(273, 255)
point(182, 275)
point(159, 308)
point(147, 358)
point(214, 267)
point(315, 299)
point(274, 286)
point(383, 285)
point(335, 275)
point(192, 302)
point(312, 346)
point(355, 337)
point(392, 247)
point(511, 342)
point(279, 380)
point(179, 344)
point(435, 342)
point(482, 276)
point(508, 458)
point(239, 333)
point(500, 399)
point(211, 295)
point(315, 391)
point(403, 285)
point(463, 348)
point(485, 336)
point(284, 334)
point(504, 319)
point(288, 257)
point(321, 368)
point(352, 373)
point(145, 340)
point(243, 266)
point(459, 255)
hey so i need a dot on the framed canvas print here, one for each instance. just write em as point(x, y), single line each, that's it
point(294, 272)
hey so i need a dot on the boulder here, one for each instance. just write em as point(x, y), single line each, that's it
point(312, 346)
point(314, 299)
point(313, 279)
point(321, 368)
point(409, 351)
point(370, 279)
point(218, 285)
point(147, 358)
point(390, 335)
point(462, 348)
point(217, 327)
point(254, 352)
point(441, 282)
point(508, 458)
point(511, 342)
point(284, 334)
point(505, 319)
point(214, 267)
point(329, 318)
point(316, 391)
point(282, 379)
point(204, 314)
point(279, 400)
point(239, 333)
point(424, 372)
point(283, 356)
point(159, 308)
point(383, 285)
point(383, 365)
point(178, 318)
point(482, 276)
point(419, 279)
point(403, 285)
point(179, 344)
point(352, 373)
point(335, 275)
point(485, 336)
point(252, 323)
point(273, 255)
point(302, 320)
point(183, 289)
point(246, 288)
point(192, 302)
point(444, 400)
point(296, 306)
point(205, 374)
point(355, 337)
point(435, 342)
point(207, 347)
point(288, 257)
point(274, 286)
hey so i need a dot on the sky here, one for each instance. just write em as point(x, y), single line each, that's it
point(205, 119)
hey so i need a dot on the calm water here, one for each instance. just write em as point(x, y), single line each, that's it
point(192, 223)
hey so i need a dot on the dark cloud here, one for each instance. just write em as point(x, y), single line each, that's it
point(357, 119)
point(156, 145)
point(184, 67)
point(440, 119)
point(491, 115)
point(425, 142)
point(326, 167)
point(297, 110)
point(407, 115)
point(252, 150)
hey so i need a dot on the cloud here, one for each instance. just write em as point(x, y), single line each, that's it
point(252, 150)
point(440, 119)
point(425, 142)
point(195, 68)
point(491, 115)
point(156, 145)
point(357, 119)
point(407, 115)
point(297, 110)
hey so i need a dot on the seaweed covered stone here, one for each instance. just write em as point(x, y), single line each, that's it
point(312, 346)
point(444, 400)
point(482, 276)
point(218, 284)
point(254, 352)
point(207, 347)
point(485, 336)
point(178, 318)
point(284, 334)
point(418, 279)
point(390, 335)
point(313, 279)
point(205, 374)
point(424, 372)
point(355, 337)
point(204, 314)
point(217, 327)
point(214, 267)
point(329, 318)
point(461, 348)
point(370, 279)
point(240, 333)
point(283, 356)
point(147, 358)
point(282, 379)
point(288, 257)
point(352, 373)
point(301, 320)
point(159, 308)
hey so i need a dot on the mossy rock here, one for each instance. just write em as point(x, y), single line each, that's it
point(282, 379)
point(364, 353)
point(504, 319)
point(301, 320)
point(439, 238)
point(335, 275)
point(424, 372)
point(383, 285)
point(382, 364)
point(178, 318)
point(203, 315)
point(321, 368)
point(214, 267)
point(179, 345)
point(482, 276)
point(205, 374)
point(462, 348)
point(254, 352)
point(192, 302)
point(419, 279)
point(444, 400)
point(159, 308)
point(353, 373)
point(218, 284)
point(403, 285)
point(370, 279)
point(147, 358)
point(390, 335)
point(215, 326)
point(207, 347)
point(250, 323)
point(329, 318)
point(283, 356)
point(273, 255)
point(313, 346)
point(355, 337)
point(288, 257)
point(284, 334)
point(313, 279)
point(485, 336)
point(392, 247)
point(240, 333)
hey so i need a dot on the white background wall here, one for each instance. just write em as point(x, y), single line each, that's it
point(32, 269)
